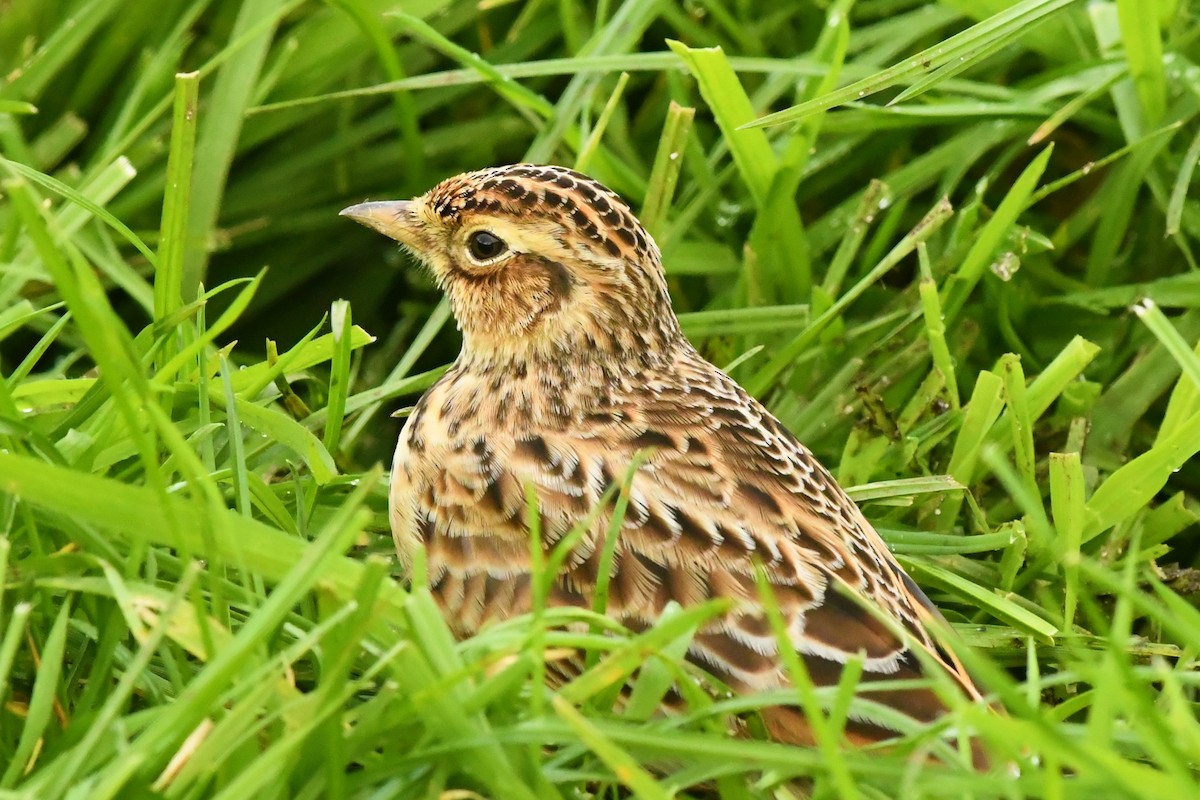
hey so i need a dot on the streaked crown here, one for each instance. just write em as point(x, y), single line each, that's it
point(587, 206)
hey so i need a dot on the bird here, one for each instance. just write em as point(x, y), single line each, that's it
point(573, 365)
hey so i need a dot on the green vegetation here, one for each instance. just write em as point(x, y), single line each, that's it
point(958, 259)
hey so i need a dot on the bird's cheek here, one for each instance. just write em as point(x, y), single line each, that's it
point(483, 307)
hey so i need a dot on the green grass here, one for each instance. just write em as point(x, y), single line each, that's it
point(951, 244)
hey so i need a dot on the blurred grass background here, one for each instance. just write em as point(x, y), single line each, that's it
point(951, 244)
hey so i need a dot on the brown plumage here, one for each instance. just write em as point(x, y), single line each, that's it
point(573, 362)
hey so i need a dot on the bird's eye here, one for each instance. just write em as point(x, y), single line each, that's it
point(485, 246)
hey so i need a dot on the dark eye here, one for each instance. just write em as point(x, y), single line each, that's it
point(485, 245)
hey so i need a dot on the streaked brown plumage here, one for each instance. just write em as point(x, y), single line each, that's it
point(572, 363)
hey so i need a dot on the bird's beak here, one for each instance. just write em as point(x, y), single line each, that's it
point(393, 218)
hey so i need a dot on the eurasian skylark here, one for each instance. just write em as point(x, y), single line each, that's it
point(572, 362)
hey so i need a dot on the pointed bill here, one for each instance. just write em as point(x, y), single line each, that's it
point(393, 218)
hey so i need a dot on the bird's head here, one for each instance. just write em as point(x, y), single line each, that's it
point(537, 261)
